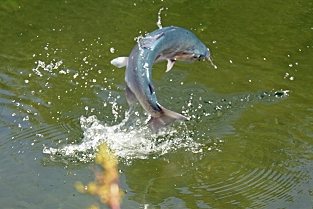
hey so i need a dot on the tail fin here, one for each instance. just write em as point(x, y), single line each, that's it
point(165, 119)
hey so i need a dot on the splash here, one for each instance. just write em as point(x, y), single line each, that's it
point(211, 61)
point(129, 139)
point(46, 67)
point(159, 24)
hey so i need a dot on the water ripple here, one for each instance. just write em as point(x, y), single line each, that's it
point(259, 185)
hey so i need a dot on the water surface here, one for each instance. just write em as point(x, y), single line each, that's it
point(248, 143)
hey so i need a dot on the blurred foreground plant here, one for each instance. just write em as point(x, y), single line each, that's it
point(106, 184)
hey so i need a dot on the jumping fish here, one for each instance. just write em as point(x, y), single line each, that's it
point(168, 43)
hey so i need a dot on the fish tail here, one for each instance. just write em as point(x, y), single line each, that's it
point(167, 117)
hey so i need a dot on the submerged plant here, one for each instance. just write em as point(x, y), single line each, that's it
point(106, 184)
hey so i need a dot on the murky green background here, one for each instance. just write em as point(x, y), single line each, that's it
point(247, 144)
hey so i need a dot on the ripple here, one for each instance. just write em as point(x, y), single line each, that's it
point(68, 124)
point(175, 76)
point(259, 186)
point(195, 89)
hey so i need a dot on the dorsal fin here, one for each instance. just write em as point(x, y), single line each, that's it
point(148, 41)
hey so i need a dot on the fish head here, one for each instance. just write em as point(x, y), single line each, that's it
point(194, 53)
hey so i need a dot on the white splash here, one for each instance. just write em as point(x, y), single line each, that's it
point(53, 65)
point(130, 139)
point(211, 61)
point(159, 24)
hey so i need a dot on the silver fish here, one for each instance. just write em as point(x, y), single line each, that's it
point(169, 43)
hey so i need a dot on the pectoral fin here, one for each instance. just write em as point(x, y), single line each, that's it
point(120, 62)
point(170, 64)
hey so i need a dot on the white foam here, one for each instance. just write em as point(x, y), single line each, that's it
point(130, 139)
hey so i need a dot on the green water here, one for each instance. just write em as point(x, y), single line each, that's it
point(249, 140)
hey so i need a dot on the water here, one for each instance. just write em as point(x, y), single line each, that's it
point(248, 143)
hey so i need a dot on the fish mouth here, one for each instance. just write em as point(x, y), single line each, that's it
point(206, 55)
point(203, 56)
